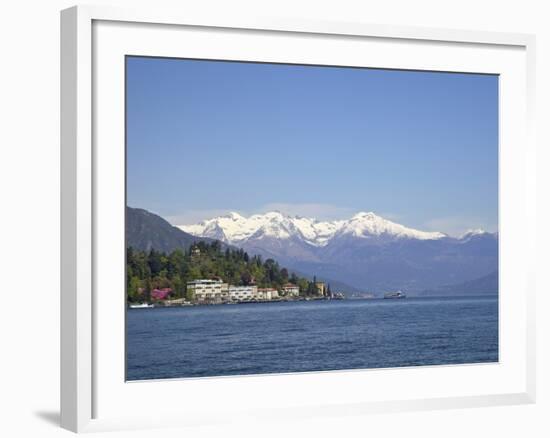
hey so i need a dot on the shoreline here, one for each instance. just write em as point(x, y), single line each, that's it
point(164, 305)
point(189, 304)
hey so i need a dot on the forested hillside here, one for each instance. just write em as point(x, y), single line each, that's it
point(149, 270)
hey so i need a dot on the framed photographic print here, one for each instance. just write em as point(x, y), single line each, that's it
point(281, 217)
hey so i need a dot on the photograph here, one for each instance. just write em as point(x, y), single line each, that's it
point(288, 218)
point(275, 219)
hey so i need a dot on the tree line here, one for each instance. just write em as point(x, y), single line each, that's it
point(149, 270)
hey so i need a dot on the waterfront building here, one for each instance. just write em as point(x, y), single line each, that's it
point(291, 290)
point(321, 288)
point(267, 293)
point(241, 293)
point(175, 302)
point(209, 291)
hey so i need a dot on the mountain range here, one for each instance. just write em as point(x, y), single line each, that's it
point(366, 251)
point(235, 229)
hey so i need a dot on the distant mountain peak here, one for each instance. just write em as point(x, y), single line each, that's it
point(233, 215)
point(369, 215)
point(275, 214)
point(369, 225)
point(477, 234)
point(473, 232)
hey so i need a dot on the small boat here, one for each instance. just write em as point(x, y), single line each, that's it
point(141, 306)
point(394, 295)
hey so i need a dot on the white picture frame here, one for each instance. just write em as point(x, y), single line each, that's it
point(92, 393)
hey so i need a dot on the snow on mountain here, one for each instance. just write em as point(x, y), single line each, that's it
point(472, 233)
point(367, 225)
point(234, 228)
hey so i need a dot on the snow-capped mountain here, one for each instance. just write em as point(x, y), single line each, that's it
point(365, 251)
point(236, 229)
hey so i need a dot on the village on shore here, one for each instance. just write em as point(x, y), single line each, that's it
point(216, 291)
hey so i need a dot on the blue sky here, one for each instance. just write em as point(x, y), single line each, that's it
point(207, 137)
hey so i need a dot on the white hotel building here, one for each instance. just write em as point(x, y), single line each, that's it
point(240, 293)
point(291, 290)
point(268, 293)
point(214, 291)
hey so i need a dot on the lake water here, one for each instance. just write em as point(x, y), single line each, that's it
point(309, 336)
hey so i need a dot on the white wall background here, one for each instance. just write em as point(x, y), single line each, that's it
point(29, 218)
